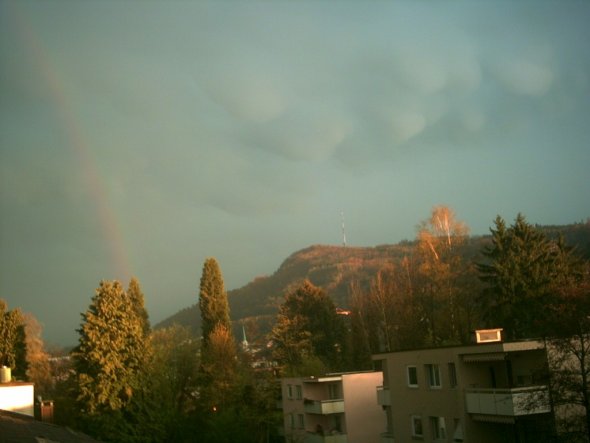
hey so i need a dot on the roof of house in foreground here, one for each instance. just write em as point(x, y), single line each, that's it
point(20, 428)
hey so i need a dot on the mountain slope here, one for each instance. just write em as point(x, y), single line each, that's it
point(334, 268)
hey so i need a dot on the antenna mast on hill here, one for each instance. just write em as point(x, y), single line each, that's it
point(343, 232)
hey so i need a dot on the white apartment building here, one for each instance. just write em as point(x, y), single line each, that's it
point(482, 393)
point(336, 408)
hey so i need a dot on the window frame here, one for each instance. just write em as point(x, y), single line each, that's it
point(301, 421)
point(416, 418)
point(452, 368)
point(408, 378)
point(433, 375)
point(438, 428)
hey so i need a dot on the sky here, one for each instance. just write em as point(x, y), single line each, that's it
point(139, 138)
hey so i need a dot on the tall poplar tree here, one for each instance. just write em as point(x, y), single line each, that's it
point(218, 352)
point(212, 300)
point(111, 351)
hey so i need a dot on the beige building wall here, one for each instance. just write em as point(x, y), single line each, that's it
point(337, 408)
point(432, 406)
point(365, 419)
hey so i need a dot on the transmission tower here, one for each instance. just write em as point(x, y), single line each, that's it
point(343, 231)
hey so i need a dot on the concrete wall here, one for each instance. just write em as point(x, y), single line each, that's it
point(17, 397)
point(365, 419)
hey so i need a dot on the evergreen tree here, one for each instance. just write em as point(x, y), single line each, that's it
point(212, 300)
point(522, 268)
point(111, 352)
point(308, 326)
point(12, 340)
point(136, 299)
point(219, 350)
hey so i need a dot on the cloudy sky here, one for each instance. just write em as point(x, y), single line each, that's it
point(139, 138)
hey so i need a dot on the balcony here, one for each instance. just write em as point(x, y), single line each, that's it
point(387, 437)
point(508, 402)
point(383, 397)
point(323, 407)
point(312, 437)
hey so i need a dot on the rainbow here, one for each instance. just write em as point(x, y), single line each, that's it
point(74, 132)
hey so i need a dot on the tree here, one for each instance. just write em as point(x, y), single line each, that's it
point(38, 367)
point(111, 351)
point(136, 299)
point(12, 339)
point(569, 358)
point(308, 326)
point(212, 300)
point(440, 267)
point(522, 267)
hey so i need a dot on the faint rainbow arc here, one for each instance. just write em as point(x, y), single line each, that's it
point(108, 221)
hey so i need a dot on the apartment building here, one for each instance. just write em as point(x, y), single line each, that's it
point(336, 408)
point(481, 393)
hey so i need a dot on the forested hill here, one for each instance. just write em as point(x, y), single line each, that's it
point(334, 268)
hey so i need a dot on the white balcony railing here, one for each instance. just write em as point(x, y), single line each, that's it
point(383, 397)
point(312, 437)
point(508, 402)
point(323, 407)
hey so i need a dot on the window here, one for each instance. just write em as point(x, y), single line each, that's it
point(458, 434)
point(291, 421)
point(438, 428)
point(417, 426)
point(433, 373)
point(290, 392)
point(299, 392)
point(301, 422)
point(333, 391)
point(412, 373)
point(452, 375)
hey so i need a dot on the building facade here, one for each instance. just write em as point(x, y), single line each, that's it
point(486, 392)
point(337, 408)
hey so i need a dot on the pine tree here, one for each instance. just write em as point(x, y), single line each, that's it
point(111, 351)
point(136, 299)
point(523, 266)
point(212, 300)
point(308, 326)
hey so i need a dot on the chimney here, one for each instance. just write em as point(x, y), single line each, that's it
point(488, 335)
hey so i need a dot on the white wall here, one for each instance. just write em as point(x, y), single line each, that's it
point(17, 398)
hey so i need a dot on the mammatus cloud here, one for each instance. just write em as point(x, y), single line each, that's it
point(525, 77)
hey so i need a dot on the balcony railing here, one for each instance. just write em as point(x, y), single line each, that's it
point(508, 402)
point(313, 437)
point(383, 397)
point(323, 406)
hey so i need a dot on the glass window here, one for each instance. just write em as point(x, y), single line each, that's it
point(438, 428)
point(452, 375)
point(299, 392)
point(301, 421)
point(417, 426)
point(433, 373)
point(412, 372)
point(289, 391)
point(292, 421)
